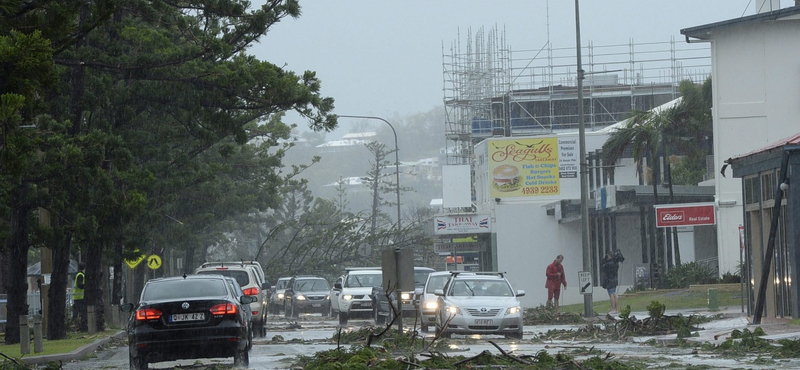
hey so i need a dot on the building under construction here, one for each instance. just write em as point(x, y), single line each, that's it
point(491, 90)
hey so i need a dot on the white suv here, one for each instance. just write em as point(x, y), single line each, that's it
point(352, 293)
point(250, 277)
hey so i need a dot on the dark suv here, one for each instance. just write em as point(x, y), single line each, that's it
point(306, 294)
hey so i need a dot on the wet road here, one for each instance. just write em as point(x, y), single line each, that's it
point(312, 333)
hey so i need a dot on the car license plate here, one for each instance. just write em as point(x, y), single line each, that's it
point(188, 317)
point(366, 304)
point(483, 322)
point(316, 305)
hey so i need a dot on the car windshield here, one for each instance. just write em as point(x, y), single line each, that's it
point(480, 288)
point(282, 284)
point(420, 277)
point(436, 282)
point(241, 276)
point(183, 289)
point(314, 285)
point(364, 280)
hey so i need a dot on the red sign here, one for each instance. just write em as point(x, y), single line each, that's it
point(673, 215)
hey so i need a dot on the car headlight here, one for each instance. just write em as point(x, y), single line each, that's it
point(327, 298)
point(512, 310)
point(347, 297)
point(453, 310)
point(431, 305)
point(405, 296)
point(280, 295)
point(300, 297)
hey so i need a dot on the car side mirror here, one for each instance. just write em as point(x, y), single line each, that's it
point(418, 291)
point(520, 293)
point(266, 286)
point(438, 292)
point(126, 307)
point(337, 286)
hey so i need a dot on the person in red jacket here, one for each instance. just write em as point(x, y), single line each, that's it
point(555, 278)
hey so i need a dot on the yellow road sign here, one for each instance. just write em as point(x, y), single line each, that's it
point(154, 262)
point(135, 262)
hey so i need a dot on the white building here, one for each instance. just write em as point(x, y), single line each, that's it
point(756, 90)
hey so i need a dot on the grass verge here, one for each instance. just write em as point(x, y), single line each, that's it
point(51, 347)
point(674, 299)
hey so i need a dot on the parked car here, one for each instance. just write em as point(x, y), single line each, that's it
point(188, 317)
point(278, 291)
point(307, 294)
point(353, 294)
point(250, 277)
point(479, 303)
point(428, 300)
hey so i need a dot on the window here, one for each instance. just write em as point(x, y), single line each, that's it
point(179, 289)
point(767, 186)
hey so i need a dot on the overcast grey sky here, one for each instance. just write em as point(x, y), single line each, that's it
point(384, 58)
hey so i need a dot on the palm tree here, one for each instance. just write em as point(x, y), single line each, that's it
point(660, 130)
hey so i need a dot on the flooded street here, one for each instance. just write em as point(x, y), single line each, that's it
point(286, 340)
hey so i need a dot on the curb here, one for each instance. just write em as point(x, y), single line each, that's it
point(74, 355)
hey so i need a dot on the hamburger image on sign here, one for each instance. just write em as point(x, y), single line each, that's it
point(505, 177)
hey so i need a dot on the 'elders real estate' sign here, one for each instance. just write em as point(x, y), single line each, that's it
point(694, 214)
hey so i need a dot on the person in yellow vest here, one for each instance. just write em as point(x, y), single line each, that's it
point(78, 304)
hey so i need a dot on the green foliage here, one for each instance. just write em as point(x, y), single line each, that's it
point(546, 315)
point(625, 312)
point(729, 278)
point(656, 309)
point(690, 273)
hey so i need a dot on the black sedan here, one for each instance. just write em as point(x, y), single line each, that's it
point(188, 317)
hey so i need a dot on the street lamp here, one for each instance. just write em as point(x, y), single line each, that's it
point(396, 160)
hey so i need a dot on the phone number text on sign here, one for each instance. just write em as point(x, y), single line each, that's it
point(532, 190)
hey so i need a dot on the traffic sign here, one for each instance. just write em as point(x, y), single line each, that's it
point(585, 282)
point(154, 262)
point(135, 262)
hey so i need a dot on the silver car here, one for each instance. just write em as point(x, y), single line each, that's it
point(428, 300)
point(276, 300)
point(479, 303)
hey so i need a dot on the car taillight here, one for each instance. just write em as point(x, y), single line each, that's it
point(147, 314)
point(224, 309)
point(251, 291)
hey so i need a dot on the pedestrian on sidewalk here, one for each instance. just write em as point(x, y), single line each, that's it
point(555, 278)
point(78, 304)
point(610, 277)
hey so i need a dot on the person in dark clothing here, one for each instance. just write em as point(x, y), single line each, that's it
point(610, 277)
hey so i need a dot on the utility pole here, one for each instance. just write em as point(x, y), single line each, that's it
point(588, 309)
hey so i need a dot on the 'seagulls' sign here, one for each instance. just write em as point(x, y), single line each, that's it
point(695, 214)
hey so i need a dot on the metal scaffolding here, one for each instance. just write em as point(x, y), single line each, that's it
point(490, 90)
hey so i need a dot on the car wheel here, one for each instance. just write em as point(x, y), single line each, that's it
point(342, 318)
point(516, 335)
point(442, 333)
point(424, 328)
point(138, 363)
point(376, 315)
point(250, 338)
point(241, 358)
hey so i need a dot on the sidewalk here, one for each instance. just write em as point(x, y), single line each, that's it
point(717, 331)
point(74, 355)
